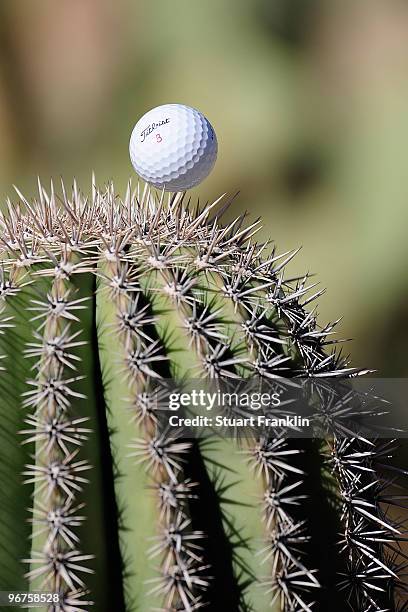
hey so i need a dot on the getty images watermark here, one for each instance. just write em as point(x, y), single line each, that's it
point(312, 408)
point(239, 406)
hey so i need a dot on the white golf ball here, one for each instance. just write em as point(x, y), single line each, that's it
point(173, 147)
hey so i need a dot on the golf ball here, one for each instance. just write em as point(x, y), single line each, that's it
point(173, 147)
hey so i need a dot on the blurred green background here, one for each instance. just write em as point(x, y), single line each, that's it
point(309, 99)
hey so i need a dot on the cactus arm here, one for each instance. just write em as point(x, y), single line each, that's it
point(178, 296)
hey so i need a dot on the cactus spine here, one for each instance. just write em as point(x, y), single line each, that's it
point(101, 302)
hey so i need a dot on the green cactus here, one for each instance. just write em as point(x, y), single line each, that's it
point(102, 300)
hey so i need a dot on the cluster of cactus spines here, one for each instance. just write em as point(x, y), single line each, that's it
point(370, 539)
point(102, 302)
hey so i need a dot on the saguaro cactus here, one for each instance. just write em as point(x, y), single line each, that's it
point(102, 300)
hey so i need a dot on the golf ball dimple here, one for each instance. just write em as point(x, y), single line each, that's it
point(173, 147)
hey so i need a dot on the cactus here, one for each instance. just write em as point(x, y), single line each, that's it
point(102, 300)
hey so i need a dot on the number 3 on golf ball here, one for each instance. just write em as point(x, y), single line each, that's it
point(173, 147)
